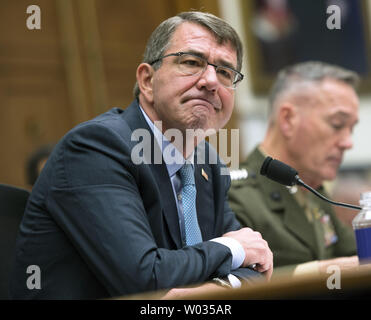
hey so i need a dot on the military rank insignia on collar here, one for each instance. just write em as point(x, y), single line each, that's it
point(292, 189)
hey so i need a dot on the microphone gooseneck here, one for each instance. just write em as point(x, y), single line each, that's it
point(284, 174)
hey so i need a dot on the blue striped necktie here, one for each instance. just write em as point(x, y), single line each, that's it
point(192, 229)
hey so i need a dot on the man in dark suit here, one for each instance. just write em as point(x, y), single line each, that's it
point(109, 216)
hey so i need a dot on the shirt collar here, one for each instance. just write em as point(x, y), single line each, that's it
point(174, 160)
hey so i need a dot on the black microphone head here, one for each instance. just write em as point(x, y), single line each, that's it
point(279, 172)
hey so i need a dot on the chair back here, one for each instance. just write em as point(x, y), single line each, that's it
point(12, 205)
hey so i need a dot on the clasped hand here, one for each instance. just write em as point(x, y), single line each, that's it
point(256, 249)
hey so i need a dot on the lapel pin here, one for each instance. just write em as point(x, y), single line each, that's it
point(204, 174)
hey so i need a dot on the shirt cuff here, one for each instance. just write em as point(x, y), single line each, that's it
point(238, 253)
point(307, 268)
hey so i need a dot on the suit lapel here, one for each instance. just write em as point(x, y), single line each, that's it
point(205, 201)
point(205, 204)
point(170, 211)
point(136, 120)
point(296, 221)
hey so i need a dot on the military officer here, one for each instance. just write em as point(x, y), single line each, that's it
point(313, 109)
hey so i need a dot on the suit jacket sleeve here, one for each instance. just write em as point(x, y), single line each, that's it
point(96, 198)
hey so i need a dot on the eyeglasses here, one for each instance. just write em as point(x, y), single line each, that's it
point(192, 64)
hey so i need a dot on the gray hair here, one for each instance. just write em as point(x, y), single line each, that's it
point(159, 40)
point(311, 71)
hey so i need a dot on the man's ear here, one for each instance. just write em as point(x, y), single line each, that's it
point(288, 119)
point(145, 80)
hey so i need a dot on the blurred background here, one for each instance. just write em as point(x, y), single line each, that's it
point(82, 62)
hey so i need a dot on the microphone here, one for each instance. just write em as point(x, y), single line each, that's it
point(284, 174)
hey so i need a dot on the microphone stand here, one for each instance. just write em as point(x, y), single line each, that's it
point(301, 183)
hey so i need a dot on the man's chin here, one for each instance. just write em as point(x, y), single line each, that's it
point(200, 122)
point(330, 175)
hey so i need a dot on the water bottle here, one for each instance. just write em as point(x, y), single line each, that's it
point(362, 228)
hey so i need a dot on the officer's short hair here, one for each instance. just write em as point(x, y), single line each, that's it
point(311, 71)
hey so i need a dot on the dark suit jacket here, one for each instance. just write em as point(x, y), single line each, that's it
point(268, 207)
point(98, 225)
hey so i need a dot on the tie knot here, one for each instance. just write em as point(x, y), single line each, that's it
point(187, 174)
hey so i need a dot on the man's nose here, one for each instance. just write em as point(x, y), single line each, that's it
point(209, 79)
point(346, 141)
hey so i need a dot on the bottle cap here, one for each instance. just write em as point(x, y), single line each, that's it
point(365, 199)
